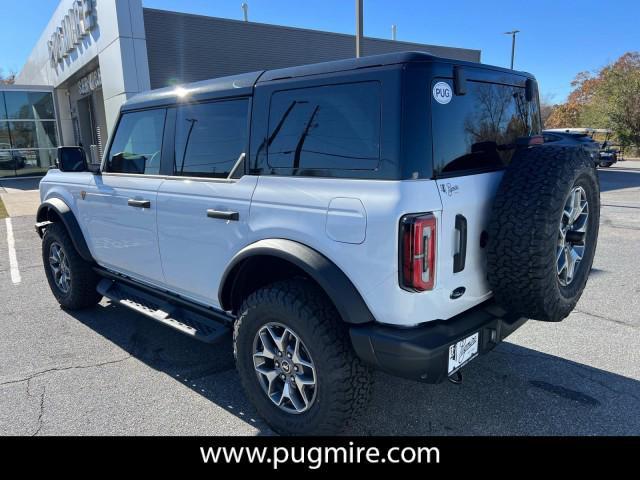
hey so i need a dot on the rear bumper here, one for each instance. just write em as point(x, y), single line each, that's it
point(422, 353)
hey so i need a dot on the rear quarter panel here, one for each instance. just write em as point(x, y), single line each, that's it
point(297, 209)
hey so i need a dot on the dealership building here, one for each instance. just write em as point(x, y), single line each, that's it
point(95, 54)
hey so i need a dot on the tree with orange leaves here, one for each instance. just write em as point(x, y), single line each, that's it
point(610, 98)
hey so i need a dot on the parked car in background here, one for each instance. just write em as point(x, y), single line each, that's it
point(10, 160)
point(573, 138)
point(595, 141)
point(607, 155)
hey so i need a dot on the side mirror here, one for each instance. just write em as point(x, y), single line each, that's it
point(72, 159)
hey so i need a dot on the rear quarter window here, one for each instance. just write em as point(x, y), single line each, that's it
point(332, 127)
point(476, 131)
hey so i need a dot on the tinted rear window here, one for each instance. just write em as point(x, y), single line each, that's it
point(325, 128)
point(474, 132)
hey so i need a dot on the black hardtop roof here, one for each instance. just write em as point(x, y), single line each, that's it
point(234, 85)
point(239, 85)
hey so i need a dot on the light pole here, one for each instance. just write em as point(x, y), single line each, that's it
point(513, 44)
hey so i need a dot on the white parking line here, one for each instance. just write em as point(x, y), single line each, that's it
point(13, 258)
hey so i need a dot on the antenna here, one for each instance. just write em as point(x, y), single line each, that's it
point(245, 11)
point(393, 31)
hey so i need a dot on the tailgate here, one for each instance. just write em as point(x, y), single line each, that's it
point(466, 208)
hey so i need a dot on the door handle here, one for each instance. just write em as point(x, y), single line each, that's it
point(460, 257)
point(132, 202)
point(223, 215)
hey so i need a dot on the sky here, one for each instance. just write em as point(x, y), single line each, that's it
point(558, 38)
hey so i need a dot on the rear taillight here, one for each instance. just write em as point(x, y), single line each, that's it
point(417, 252)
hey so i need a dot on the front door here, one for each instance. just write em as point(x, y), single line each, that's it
point(202, 213)
point(119, 207)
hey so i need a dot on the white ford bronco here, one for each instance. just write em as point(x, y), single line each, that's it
point(397, 212)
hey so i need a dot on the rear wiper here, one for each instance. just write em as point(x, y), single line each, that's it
point(520, 142)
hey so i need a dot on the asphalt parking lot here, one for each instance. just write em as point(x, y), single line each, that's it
point(108, 371)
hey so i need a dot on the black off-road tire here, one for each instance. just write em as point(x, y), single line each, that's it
point(82, 292)
point(343, 381)
point(523, 231)
point(606, 164)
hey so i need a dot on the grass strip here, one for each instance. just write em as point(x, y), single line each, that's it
point(3, 210)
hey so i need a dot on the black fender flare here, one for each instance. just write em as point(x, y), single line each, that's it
point(340, 290)
point(64, 212)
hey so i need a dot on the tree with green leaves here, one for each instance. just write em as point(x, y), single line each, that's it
point(619, 93)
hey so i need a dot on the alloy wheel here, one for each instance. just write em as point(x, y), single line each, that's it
point(284, 368)
point(59, 265)
point(572, 235)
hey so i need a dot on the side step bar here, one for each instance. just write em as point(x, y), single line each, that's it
point(190, 321)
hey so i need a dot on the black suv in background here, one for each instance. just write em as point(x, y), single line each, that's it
point(583, 140)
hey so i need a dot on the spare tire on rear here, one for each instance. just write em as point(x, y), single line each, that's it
point(543, 232)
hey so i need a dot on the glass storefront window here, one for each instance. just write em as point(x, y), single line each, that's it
point(29, 105)
point(33, 134)
point(47, 158)
point(28, 132)
point(7, 163)
point(26, 162)
point(4, 135)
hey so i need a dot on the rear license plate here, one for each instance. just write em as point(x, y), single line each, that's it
point(462, 352)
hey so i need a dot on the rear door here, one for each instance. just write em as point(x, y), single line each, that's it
point(202, 213)
point(473, 137)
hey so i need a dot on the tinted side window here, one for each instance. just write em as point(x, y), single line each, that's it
point(478, 130)
point(328, 127)
point(210, 137)
point(137, 144)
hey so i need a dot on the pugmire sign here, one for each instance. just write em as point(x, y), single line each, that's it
point(76, 24)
